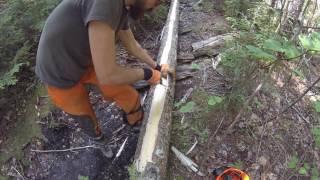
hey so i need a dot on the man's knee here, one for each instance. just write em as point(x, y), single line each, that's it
point(125, 96)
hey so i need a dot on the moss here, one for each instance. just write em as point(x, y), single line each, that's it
point(133, 174)
point(26, 128)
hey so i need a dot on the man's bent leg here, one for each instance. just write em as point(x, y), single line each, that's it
point(75, 101)
point(127, 98)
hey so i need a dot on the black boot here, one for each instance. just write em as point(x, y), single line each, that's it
point(86, 124)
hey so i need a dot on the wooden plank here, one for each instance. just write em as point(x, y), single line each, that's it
point(153, 145)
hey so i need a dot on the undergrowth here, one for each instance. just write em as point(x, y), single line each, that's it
point(20, 25)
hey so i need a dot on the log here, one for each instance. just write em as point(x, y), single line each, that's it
point(211, 46)
point(153, 145)
point(185, 57)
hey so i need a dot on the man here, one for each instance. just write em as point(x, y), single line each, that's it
point(77, 47)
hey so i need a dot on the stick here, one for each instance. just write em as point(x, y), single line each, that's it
point(298, 99)
point(185, 97)
point(18, 173)
point(193, 146)
point(62, 150)
point(243, 107)
point(121, 149)
point(118, 130)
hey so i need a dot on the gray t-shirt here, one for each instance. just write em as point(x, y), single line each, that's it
point(64, 51)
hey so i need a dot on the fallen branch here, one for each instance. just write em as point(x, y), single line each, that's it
point(187, 162)
point(120, 150)
point(118, 130)
point(243, 107)
point(185, 97)
point(20, 175)
point(63, 150)
point(193, 146)
point(310, 27)
point(297, 100)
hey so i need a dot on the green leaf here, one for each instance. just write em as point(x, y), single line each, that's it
point(306, 42)
point(317, 106)
point(273, 45)
point(315, 36)
point(306, 166)
point(314, 173)
point(311, 41)
point(290, 50)
point(303, 171)
point(293, 162)
point(83, 177)
point(188, 107)
point(213, 100)
point(298, 73)
point(195, 66)
point(260, 54)
point(315, 131)
point(237, 165)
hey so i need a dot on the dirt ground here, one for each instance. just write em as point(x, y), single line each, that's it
point(258, 145)
point(82, 158)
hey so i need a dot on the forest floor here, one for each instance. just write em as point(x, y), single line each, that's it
point(268, 148)
point(280, 148)
point(31, 123)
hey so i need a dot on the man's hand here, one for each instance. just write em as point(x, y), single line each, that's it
point(152, 76)
point(164, 69)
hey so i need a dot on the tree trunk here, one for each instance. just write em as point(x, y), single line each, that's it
point(297, 6)
point(153, 146)
point(273, 3)
point(283, 16)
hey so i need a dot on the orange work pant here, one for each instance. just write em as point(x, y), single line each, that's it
point(75, 100)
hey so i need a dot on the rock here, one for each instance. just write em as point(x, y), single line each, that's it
point(241, 146)
point(260, 130)
point(107, 152)
point(241, 125)
point(263, 161)
point(270, 124)
point(272, 176)
point(249, 155)
point(185, 30)
point(224, 153)
point(254, 117)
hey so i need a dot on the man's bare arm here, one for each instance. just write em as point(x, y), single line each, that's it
point(134, 48)
point(102, 45)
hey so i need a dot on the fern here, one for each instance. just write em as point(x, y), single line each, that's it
point(20, 26)
point(9, 78)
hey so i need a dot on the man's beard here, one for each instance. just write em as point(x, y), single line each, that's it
point(137, 9)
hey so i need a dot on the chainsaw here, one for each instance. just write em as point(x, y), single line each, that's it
point(229, 173)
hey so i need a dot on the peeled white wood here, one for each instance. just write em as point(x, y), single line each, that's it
point(153, 146)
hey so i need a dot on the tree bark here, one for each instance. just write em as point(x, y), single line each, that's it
point(153, 146)
point(273, 3)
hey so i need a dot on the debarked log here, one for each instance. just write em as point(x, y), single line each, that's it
point(153, 145)
point(211, 46)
